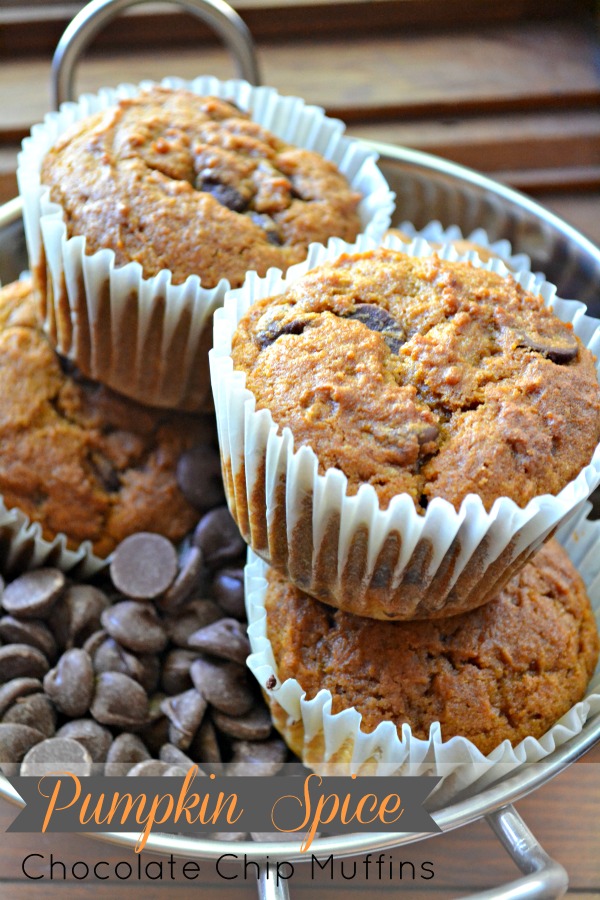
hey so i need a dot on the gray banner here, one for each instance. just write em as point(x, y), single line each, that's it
point(303, 805)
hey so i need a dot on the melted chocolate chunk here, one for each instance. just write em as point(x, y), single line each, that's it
point(378, 319)
point(224, 193)
point(274, 325)
point(560, 348)
point(269, 226)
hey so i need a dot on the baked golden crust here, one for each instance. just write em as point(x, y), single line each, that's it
point(194, 186)
point(501, 672)
point(424, 376)
point(76, 457)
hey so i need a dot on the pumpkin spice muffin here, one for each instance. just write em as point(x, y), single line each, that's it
point(191, 184)
point(401, 431)
point(509, 669)
point(142, 205)
point(424, 376)
point(76, 457)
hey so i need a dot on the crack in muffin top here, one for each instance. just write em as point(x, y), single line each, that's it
point(177, 181)
point(424, 376)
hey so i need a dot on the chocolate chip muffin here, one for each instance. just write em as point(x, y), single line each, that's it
point(507, 670)
point(191, 184)
point(76, 457)
point(425, 377)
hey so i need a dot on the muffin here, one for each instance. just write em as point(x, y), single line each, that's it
point(412, 417)
point(424, 376)
point(184, 192)
point(505, 671)
point(77, 458)
point(195, 187)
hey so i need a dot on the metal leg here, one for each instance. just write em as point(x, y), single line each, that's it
point(230, 27)
point(545, 879)
point(268, 889)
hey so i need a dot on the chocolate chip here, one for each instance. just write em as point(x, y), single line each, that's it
point(144, 565)
point(105, 472)
point(190, 572)
point(225, 194)
point(205, 746)
point(175, 677)
point(76, 614)
point(195, 615)
point(109, 656)
point(36, 710)
point(257, 757)
point(135, 626)
point(18, 687)
point(16, 740)
point(269, 226)
point(427, 433)
point(71, 683)
point(94, 642)
point(96, 739)
point(21, 661)
point(119, 701)
point(34, 632)
point(199, 477)
point(271, 682)
point(185, 712)
point(276, 322)
point(54, 755)
point(378, 319)
point(560, 347)
point(218, 537)
point(125, 751)
point(33, 594)
point(224, 684)
point(228, 590)
point(226, 639)
point(253, 726)
point(171, 754)
point(155, 734)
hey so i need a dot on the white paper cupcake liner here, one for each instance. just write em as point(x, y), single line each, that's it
point(335, 744)
point(435, 233)
point(146, 337)
point(346, 550)
point(22, 547)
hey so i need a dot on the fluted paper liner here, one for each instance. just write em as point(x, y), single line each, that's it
point(346, 550)
point(335, 744)
point(22, 546)
point(147, 337)
point(435, 233)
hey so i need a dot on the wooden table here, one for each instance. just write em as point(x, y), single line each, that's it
point(564, 815)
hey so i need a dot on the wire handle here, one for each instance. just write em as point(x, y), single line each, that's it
point(224, 20)
point(544, 878)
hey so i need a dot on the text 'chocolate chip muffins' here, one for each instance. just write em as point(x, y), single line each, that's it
point(469, 697)
point(400, 431)
point(142, 204)
point(82, 467)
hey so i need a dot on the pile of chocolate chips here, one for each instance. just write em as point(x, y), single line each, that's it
point(142, 673)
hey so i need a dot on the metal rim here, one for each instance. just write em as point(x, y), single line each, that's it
point(473, 805)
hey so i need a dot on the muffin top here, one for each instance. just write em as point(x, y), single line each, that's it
point(504, 671)
point(76, 457)
point(424, 376)
point(177, 181)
